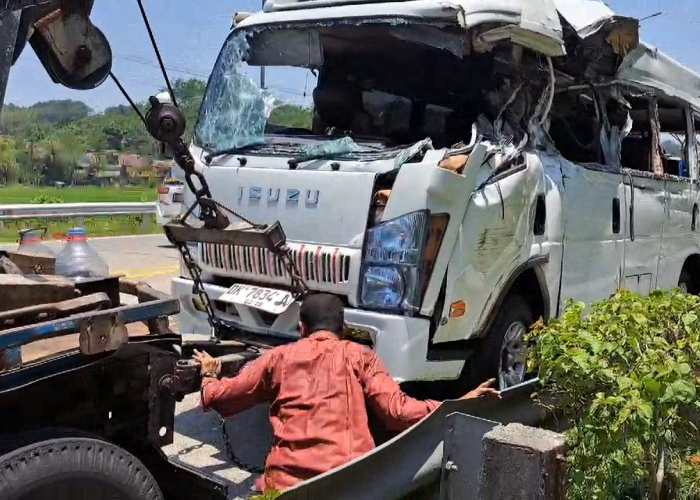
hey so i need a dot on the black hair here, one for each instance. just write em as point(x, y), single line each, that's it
point(322, 311)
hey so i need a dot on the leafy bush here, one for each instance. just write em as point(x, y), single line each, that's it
point(267, 496)
point(626, 375)
point(46, 199)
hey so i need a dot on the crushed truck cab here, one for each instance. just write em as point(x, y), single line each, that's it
point(427, 192)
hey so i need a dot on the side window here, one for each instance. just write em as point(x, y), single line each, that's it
point(674, 141)
point(574, 127)
point(636, 151)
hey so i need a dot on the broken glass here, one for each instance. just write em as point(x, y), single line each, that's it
point(234, 110)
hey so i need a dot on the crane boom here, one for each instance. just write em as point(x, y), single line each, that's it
point(73, 51)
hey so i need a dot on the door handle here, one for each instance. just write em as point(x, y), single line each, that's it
point(616, 215)
point(693, 224)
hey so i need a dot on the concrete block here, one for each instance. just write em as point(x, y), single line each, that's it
point(520, 462)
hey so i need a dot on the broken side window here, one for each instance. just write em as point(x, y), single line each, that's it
point(575, 128)
point(658, 140)
point(673, 125)
point(636, 148)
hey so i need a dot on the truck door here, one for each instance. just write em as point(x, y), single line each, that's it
point(594, 218)
point(646, 199)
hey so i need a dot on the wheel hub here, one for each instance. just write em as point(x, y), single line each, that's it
point(513, 351)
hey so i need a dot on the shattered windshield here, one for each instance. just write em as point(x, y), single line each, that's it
point(234, 110)
point(372, 94)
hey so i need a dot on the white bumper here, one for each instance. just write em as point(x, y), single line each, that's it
point(401, 342)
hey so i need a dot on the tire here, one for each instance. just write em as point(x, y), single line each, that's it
point(515, 312)
point(75, 468)
point(686, 283)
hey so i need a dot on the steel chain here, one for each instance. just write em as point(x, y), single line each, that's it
point(232, 456)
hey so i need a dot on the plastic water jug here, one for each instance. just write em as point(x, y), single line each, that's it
point(78, 260)
point(30, 243)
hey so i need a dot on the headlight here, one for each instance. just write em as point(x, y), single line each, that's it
point(382, 287)
point(392, 258)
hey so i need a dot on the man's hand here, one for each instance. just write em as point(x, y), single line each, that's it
point(208, 364)
point(484, 389)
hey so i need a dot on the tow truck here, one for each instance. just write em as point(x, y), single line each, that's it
point(91, 422)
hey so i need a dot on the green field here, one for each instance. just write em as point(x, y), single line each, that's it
point(96, 226)
point(91, 194)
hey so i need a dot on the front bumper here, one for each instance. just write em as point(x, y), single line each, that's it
point(401, 342)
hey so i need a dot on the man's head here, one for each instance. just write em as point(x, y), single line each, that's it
point(321, 312)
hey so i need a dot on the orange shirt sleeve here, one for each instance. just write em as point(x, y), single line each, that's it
point(396, 409)
point(252, 386)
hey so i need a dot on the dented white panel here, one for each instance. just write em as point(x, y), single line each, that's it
point(593, 252)
point(532, 23)
point(493, 239)
point(643, 238)
point(677, 236)
point(585, 16)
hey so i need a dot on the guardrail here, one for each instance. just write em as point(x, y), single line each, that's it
point(73, 210)
point(9, 213)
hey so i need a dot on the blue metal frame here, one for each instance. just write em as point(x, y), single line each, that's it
point(127, 314)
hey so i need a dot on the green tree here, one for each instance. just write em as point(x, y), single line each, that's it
point(626, 374)
point(8, 160)
point(60, 111)
point(289, 115)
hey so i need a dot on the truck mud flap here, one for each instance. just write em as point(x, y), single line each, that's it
point(414, 459)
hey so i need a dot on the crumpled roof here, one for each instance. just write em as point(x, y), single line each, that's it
point(533, 23)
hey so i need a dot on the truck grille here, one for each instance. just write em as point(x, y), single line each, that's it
point(327, 267)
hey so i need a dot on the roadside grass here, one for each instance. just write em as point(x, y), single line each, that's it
point(17, 194)
point(95, 226)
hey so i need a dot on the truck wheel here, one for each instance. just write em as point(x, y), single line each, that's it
point(685, 283)
point(75, 469)
point(502, 355)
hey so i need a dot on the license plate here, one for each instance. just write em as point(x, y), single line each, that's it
point(178, 197)
point(265, 299)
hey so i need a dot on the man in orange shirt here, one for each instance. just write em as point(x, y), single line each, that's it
point(317, 388)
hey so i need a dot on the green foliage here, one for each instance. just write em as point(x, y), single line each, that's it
point(8, 160)
point(626, 374)
point(41, 199)
point(45, 141)
point(96, 226)
point(291, 116)
point(60, 111)
point(267, 496)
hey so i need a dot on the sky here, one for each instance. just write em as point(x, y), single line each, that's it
point(190, 34)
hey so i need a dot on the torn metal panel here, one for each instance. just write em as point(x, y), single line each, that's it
point(587, 17)
point(648, 67)
point(538, 28)
point(532, 23)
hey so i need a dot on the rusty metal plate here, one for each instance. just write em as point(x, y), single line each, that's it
point(102, 334)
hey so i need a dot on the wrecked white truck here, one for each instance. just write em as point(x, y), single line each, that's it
point(471, 166)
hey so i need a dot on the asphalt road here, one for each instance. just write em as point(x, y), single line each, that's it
point(198, 440)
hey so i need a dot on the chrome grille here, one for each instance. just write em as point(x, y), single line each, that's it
point(322, 265)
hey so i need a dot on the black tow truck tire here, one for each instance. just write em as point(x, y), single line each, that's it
point(75, 468)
